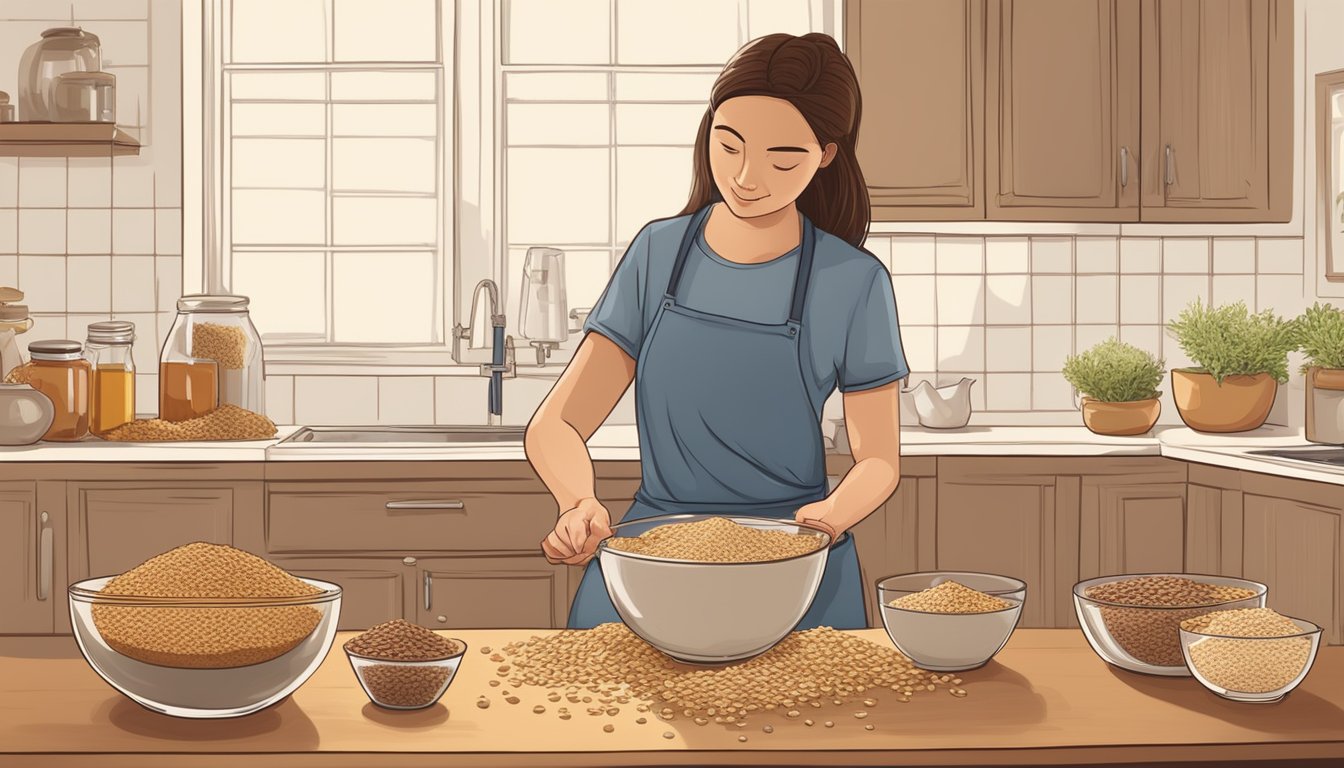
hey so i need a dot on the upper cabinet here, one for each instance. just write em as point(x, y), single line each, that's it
point(1076, 110)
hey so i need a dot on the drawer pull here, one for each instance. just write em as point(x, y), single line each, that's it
point(429, 590)
point(44, 564)
point(426, 504)
point(443, 619)
point(409, 560)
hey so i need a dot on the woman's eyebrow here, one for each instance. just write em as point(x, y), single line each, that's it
point(730, 130)
point(787, 149)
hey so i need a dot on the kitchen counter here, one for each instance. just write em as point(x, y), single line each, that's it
point(1046, 700)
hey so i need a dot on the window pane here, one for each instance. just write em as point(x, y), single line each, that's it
point(558, 124)
point(659, 87)
point(386, 30)
point(278, 217)
point(385, 120)
point(384, 165)
point(552, 86)
point(658, 123)
point(383, 297)
point(384, 86)
point(654, 183)
point(288, 292)
point(551, 32)
point(686, 32)
point(384, 221)
point(279, 120)
point(287, 86)
point(267, 31)
point(279, 163)
point(769, 16)
point(558, 196)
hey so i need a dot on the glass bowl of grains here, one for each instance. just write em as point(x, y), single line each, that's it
point(205, 631)
point(1133, 621)
point(1252, 655)
point(950, 621)
point(402, 665)
point(712, 589)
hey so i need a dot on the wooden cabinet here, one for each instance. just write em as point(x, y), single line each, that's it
point(1217, 110)
point(373, 589)
point(492, 593)
point(32, 561)
point(1062, 107)
point(921, 143)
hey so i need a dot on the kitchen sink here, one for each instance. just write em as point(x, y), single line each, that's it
point(1329, 456)
point(431, 435)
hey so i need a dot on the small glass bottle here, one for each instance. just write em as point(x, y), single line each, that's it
point(109, 353)
point(60, 372)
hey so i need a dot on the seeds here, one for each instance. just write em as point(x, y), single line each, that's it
point(742, 737)
point(401, 685)
point(668, 735)
point(399, 640)
point(512, 699)
point(483, 703)
point(950, 597)
point(717, 540)
point(206, 637)
point(1150, 631)
point(227, 422)
point(539, 709)
point(608, 728)
point(860, 715)
point(869, 727)
point(225, 344)
point(1249, 666)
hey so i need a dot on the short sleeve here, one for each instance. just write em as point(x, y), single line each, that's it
point(873, 355)
point(620, 313)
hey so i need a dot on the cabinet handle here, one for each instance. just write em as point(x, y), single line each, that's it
point(409, 560)
point(426, 504)
point(44, 564)
point(1124, 167)
point(429, 590)
point(1170, 170)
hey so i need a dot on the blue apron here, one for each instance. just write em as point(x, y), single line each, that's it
point(726, 426)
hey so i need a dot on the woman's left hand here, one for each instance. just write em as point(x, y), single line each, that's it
point(815, 514)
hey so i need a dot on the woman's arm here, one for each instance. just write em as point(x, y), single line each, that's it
point(557, 437)
point(872, 422)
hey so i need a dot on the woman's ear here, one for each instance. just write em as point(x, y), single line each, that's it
point(828, 154)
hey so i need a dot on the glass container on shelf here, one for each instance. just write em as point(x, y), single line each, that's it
point(61, 50)
point(108, 351)
point(212, 357)
point(60, 372)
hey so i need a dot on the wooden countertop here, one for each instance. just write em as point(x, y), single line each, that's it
point(1046, 700)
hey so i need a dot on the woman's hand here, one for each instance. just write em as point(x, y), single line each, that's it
point(815, 514)
point(577, 533)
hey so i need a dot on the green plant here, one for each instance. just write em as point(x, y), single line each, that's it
point(1230, 340)
point(1321, 331)
point(1115, 372)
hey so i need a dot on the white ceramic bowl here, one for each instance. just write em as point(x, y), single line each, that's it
point(950, 642)
point(711, 613)
point(204, 693)
point(1259, 670)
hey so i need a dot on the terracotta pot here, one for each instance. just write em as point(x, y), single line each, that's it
point(1121, 419)
point(1325, 405)
point(1239, 404)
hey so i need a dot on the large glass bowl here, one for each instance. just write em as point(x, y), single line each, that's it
point(231, 679)
point(1258, 670)
point(1147, 639)
point(711, 613)
point(950, 642)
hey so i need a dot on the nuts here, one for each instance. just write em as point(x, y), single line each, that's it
point(717, 540)
point(399, 640)
point(227, 422)
point(950, 597)
point(1149, 631)
point(1257, 665)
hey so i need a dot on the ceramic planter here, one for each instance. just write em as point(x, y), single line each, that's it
point(1134, 417)
point(1325, 405)
point(1240, 403)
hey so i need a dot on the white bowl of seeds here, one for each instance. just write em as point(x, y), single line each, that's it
point(950, 621)
point(1251, 655)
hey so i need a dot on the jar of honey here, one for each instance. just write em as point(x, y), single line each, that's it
point(113, 396)
point(60, 372)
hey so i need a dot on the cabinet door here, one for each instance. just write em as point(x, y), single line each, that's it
point(1012, 523)
point(1129, 528)
point(492, 593)
point(116, 526)
point(373, 589)
point(1294, 548)
point(1217, 110)
point(29, 586)
point(1062, 104)
point(921, 67)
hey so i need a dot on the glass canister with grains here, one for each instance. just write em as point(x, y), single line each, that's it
point(212, 357)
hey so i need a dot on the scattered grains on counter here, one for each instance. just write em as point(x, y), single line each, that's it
point(205, 637)
point(227, 422)
point(717, 540)
point(225, 344)
point(399, 640)
point(483, 703)
point(951, 597)
point(608, 728)
point(669, 735)
point(1270, 661)
point(1150, 630)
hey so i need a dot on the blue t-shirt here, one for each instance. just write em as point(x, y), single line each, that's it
point(850, 335)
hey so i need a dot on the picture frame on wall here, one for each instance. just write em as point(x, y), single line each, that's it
point(1330, 169)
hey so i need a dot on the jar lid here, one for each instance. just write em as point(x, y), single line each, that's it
point(112, 332)
point(10, 294)
point(55, 349)
point(62, 32)
point(202, 302)
point(13, 313)
point(86, 78)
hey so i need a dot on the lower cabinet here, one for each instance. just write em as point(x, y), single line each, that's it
point(492, 593)
point(373, 590)
point(898, 536)
point(32, 560)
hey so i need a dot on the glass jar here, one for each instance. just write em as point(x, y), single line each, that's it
point(212, 357)
point(61, 50)
point(60, 372)
point(112, 402)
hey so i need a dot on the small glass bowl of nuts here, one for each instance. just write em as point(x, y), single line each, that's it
point(950, 621)
point(404, 666)
point(1251, 655)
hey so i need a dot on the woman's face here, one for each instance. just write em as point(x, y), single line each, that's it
point(763, 154)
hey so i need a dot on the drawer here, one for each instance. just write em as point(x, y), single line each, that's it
point(405, 517)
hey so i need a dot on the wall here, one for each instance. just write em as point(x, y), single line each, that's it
point(99, 239)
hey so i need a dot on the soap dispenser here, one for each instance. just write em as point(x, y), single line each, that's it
point(544, 314)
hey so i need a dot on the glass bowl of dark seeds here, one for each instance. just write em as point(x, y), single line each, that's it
point(402, 665)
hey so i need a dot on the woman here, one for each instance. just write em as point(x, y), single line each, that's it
point(736, 320)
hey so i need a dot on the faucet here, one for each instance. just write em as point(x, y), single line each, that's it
point(501, 350)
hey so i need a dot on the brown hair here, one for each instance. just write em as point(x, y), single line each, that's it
point(811, 73)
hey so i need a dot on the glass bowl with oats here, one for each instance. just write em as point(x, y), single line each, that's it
point(1133, 621)
point(712, 589)
point(205, 630)
point(1253, 655)
point(950, 621)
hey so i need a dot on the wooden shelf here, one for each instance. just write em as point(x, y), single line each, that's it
point(65, 140)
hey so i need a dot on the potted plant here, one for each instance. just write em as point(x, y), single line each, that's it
point(1321, 332)
point(1119, 386)
point(1240, 359)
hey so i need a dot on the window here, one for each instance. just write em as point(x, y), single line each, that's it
point(334, 150)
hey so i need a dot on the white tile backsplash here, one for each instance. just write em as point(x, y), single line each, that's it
point(1185, 255)
point(42, 182)
point(1052, 299)
point(42, 230)
point(920, 345)
point(9, 230)
point(89, 230)
point(328, 400)
point(133, 231)
point(1228, 289)
point(961, 299)
point(1094, 255)
point(88, 284)
point(1234, 256)
point(1140, 255)
point(1007, 255)
point(1178, 291)
point(1139, 303)
point(913, 255)
point(9, 182)
point(90, 183)
point(960, 255)
point(133, 284)
point(1008, 348)
point(1050, 345)
point(1007, 391)
point(405, 400)
point(1007, 299)
point(1098, 299)
point(916, 299)
point(1279, 256)
point(1052, 255)
point(961, 348)
point(42, 280)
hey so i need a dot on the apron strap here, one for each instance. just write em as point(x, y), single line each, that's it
point(687, 239)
